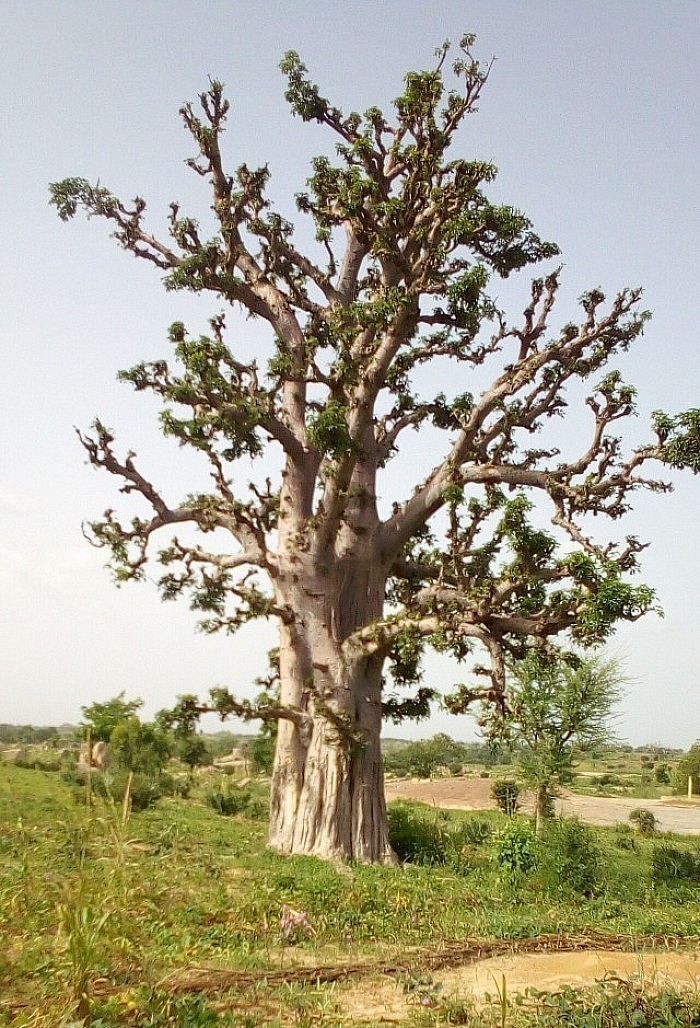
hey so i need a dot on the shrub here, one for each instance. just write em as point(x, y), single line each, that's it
point(644, 821)
point(515, 851)
point(427, 838)
point(416, 839)
point(142, 748)
point(670, 865)
point(474, 831)
point(570, 858)
point(506, 792)
point(144, 791)
point(261, 752)
point(229, 799)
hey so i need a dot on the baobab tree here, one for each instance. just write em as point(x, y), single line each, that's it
point(398, 279)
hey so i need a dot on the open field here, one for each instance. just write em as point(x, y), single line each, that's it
point(672, 813)
point(179, 916)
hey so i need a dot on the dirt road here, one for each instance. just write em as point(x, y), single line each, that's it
point(673, 813)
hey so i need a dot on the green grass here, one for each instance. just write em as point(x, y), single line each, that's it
point(95, 910)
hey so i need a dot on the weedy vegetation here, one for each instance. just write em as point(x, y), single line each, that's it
point(108, 915)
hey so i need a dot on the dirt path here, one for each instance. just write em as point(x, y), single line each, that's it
point(385, 999)
point(673, 813)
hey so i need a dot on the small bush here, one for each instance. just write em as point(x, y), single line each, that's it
point(670, 865)
point(515, 851)
point(229, 799)
point(473, 832)
point(144, 790)
point(644, 821)
point(427, 838)
point(570, 858)
point(257, 810)
point(506, 792)
point(416, 839)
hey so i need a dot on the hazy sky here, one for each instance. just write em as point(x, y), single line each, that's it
point(590, 113)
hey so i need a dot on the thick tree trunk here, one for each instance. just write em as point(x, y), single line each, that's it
point(327, 791)
point(330, 803)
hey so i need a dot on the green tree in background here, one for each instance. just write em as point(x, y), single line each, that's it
point(103, 718)
point(139, 747)
point(688, 767)
point(553, 709)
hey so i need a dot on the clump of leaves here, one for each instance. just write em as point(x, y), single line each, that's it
point(416, 838)
point(229, 799)
point(515, 851)
point(671, 865)
point(506, 792)
point(419, 837)
point(569, 858)
point(644, 821)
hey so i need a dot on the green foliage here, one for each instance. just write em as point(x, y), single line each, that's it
point(24, 734)
point(426, 757)
point(416, 838)
point(644, 821)
point(261, 752)
point(515, 851)
point(569, 859)
point(688, 767)
point(505, 791)
point(608, 1004)
point(555, 709)
point(139, 747)
point(680, 438)
point(140, 789)
point(328, 431)
point(229, 799)
point(419, 836)
point(671, 865)
point(103, 718)
point(192, 750)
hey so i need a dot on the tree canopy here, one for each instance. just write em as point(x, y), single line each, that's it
point(398, 280)
point(553, 710)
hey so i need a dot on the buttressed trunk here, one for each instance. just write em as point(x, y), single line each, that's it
point(327, 793)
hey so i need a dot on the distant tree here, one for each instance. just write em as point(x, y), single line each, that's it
point(553, 709)
point(141, 748)
point(688, 767)
point(192, 750)
point(261, 751)
point(391, 294)
point(28, 734)
point(103, 718)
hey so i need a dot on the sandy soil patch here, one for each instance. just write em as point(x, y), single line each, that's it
point(673, 813)
point(385, 998)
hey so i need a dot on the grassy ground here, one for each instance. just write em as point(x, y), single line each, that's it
point(104, 918)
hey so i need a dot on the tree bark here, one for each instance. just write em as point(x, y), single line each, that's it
point(543, 803)
point(327, 791)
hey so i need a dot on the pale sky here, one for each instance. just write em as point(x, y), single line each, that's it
point(590, 113)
